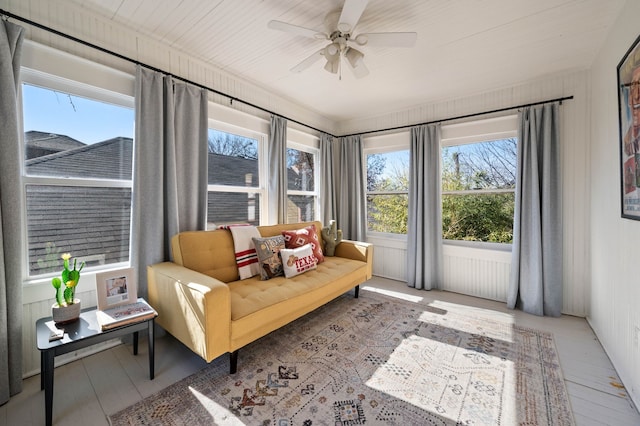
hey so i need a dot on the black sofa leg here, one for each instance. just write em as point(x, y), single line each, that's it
point(357, 291)
point(233, 362)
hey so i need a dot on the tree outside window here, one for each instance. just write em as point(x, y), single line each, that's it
point(478, 191)
point(387, 192)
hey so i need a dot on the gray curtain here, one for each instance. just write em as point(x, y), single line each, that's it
point(351, 208)
point(170, 167)
point(277, 170)
point(424, 223)
point(11, 222)
point(327, 184)
point(536, 265)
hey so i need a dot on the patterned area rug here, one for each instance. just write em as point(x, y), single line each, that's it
point(375, 360)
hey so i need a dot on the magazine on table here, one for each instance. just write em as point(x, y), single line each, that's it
point(125, 314)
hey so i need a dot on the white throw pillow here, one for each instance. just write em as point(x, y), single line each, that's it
point(298, 260)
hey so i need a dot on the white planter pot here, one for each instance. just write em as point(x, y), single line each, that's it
point(66, 314)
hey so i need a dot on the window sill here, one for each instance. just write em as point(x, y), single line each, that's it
point(387, 240)
point(479, 245)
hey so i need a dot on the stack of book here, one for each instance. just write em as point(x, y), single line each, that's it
point(125, 314)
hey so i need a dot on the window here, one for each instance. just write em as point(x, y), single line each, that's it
point(478, 191)
point(302, 195)
point(235, 191)
point(387, 191)
point(78, 167)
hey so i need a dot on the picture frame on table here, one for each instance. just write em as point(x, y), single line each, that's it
point(628, 73)
point(116, 288)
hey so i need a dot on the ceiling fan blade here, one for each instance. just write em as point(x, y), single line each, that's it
point(306, 63)
point(387, 39)
point(351, 13)
point(295, 29)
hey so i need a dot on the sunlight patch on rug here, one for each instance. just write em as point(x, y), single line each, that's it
point(376, 360)
point(470, 377)
point(217, 413)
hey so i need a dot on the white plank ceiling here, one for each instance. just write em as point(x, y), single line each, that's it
point(464, 47)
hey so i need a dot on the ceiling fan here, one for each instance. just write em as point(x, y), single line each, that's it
point(340, 26)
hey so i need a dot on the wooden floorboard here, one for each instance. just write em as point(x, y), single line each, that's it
point(87, 390)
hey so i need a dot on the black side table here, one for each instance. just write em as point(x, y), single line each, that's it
point(77, 335)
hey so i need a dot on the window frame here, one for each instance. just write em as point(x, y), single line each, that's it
point(380, 145)
point(261, 189)
point(42, 68)
point(467, 133)
point(315, 151)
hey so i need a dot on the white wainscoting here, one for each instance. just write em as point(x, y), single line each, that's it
point(467, 270)
point(477, 272)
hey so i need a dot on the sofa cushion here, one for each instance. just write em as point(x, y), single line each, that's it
point(298, 260)
point(208, 252)
point(268, 250)
point(253, 295)
point(307, 235)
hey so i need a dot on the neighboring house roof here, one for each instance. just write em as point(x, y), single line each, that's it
point(110, 159)
point(42, 143)
point(93, 223)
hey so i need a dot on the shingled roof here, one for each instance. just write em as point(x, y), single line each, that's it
point(93, 223)
point(42, 143)
point(110, 159)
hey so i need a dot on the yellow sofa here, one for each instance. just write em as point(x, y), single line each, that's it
point(201, 301)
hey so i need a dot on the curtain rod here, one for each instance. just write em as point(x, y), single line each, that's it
point(459, 117)
point(4, 13)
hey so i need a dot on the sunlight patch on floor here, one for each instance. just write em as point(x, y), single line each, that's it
point(395, 294)
point(472, 310)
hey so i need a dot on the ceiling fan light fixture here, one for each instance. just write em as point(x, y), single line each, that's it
point(332, 51)
point(354, 57)
point(361, 39)
point(332, 66)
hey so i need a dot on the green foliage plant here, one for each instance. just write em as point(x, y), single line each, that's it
point(66, 285)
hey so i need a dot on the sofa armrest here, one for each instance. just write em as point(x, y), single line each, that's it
point(357, 250)
point(193, 307)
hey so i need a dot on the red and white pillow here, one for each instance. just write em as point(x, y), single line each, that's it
point(298, 260)
point(300, 237)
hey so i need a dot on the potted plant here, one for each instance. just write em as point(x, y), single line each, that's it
point(67, 307)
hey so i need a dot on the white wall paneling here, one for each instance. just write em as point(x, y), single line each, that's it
point(467, 270)
point(476, 272)
point(614, 293)
point(389, 257)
